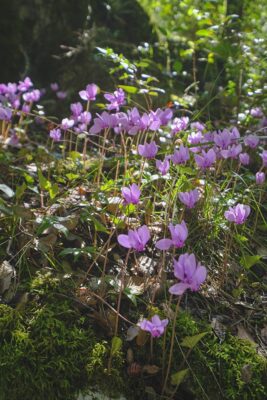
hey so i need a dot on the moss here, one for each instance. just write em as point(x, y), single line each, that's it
point(229, 370)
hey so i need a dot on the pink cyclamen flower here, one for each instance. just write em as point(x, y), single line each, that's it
point(190, 273)
point(54, 86)
point(55, 134)
point(251, 141)
point(244, 158)
point(148, 150)
point(179, 235)
point(131, 194)
point(232, 151)
point(25, 85)
point(260, 178)
point(5, 114)
point(76, 109)
point(179, 124)
point(181, 155)
point(156, 326)
point(190, 198)
point(256, 112)
point(90, 92)
point(237, 214)
point(163, 166)
point(206, 159)
point(61, 95)
point(32, 96)
point(116, 99)
point(66, 124)
point(264, 158)
point(136, 239)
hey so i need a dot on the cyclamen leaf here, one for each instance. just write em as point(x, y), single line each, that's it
point(191, 341)
point(178, 377)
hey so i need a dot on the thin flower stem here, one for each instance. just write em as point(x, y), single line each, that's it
point(172, 344)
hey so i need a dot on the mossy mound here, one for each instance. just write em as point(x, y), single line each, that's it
point(49, 351)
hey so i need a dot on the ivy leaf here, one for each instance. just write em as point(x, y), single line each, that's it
point(192, 341)
point(248, 261)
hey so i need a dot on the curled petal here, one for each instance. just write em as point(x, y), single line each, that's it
point(179, 288)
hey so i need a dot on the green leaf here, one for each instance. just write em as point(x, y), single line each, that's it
point(205, 33)
point(131, 296)
point(53, 191)
point(7, 190)
point(248, 261)
point(20, 190)
point(178, 377)
point(129, 89)
point(98, 226)
point(72, 177)
point(191, 341)
point(177, 66)
point(43, 182)
point(116, 345)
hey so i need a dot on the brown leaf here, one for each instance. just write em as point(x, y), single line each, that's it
point(151, 369)
point(141, 338)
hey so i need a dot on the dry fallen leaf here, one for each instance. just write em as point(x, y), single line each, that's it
point(151, 369)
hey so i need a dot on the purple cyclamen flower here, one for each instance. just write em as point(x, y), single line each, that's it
point(164, 115)
point(148, 150)
point(260, 178)
point(179, 124)
point(90, 92)
point(76, 109)
point(13, 141)
point(136, 239)
point(25, 85)
point(181, 155)
point(32, 96)
point(251, 141)
point(256, 112)
point(264, 158)
point(222, 139)
point(103, 121)
point(179, 235)
point(195, 137)
point(163, 166)
point(232, 151)
point(206, 159)
point(197, 126)
point(190, 273)
point(67, 123)
point(244, 158)
point(61, 95)
point(54, 86)
point(55, 134)
point(5, 114)
point(190, 198)
point(237, 214)
point(116, 99)
point(85, 118)
point(131, 194)
point(156, 326)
